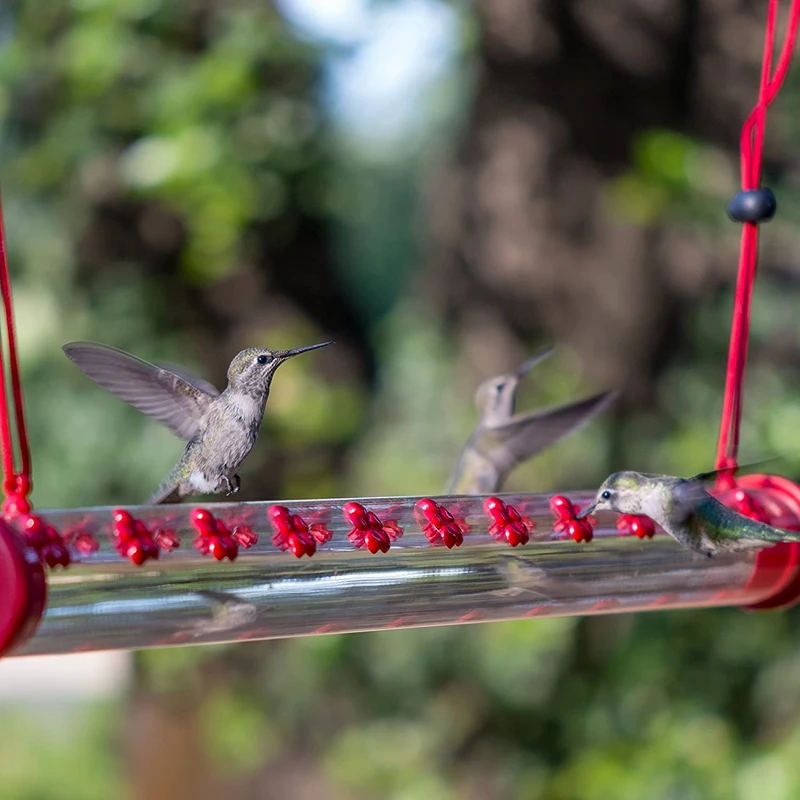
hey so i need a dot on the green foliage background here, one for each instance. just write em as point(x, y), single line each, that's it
point(165, 166)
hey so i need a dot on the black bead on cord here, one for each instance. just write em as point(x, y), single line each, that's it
point(753, 205)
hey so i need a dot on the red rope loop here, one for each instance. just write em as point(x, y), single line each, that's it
point(752, 149)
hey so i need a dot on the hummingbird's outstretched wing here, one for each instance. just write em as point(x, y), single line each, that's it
point(739, 468)
point(198, 383)
point(687, 493)
point(177, 403)
point(524, 435)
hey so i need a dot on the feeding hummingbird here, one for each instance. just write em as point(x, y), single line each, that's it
point(220, 428)
point(502, 439)
point(686, 511)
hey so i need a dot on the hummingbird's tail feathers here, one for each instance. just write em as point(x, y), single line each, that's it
point(766, 533)
point(528, 434)
point(167, 492)
point(733, 527)
point(787, 536)
point(474, 474)
point(167, 397)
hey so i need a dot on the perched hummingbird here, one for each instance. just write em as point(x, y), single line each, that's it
point(220, 428)
point(502, 439)
point(686, 511)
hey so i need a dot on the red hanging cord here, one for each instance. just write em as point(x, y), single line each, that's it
point(44, 539)
point(752, 147)
point(759, 496)
point(15, 483)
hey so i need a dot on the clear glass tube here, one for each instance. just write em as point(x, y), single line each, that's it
point(104, 602)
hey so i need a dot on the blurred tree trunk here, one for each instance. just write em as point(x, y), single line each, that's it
point(525, 231)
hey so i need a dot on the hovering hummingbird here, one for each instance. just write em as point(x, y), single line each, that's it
point(502, 439)
point(220, 428)
point(686, 511)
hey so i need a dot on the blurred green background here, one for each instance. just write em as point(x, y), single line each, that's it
point(442, 188)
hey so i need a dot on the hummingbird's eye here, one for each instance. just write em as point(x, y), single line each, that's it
point(606, 495)
point(262, 359)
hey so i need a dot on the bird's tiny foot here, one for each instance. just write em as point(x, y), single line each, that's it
point(232, 486)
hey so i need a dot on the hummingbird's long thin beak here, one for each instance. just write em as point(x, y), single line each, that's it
point(586, 511)
point(284, 354)
point(533, 361)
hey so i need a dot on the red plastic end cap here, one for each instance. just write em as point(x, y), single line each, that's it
point(23, 589)
point(776, 569)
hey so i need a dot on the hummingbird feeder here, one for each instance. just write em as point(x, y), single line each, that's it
point(149, 576)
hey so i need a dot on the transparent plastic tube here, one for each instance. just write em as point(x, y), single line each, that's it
point(104, 602)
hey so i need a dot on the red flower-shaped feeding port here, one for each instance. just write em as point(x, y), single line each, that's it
point(636, 525)
point(132, 538)
point(438, 524)
point(48, 543)
point(566, 512)
point(215, 538)
point(166, 539)
point(748, 506)
point(507, 524)
point(46, 540)
point(292, 533)
point(368, 530)
point(84, 543)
